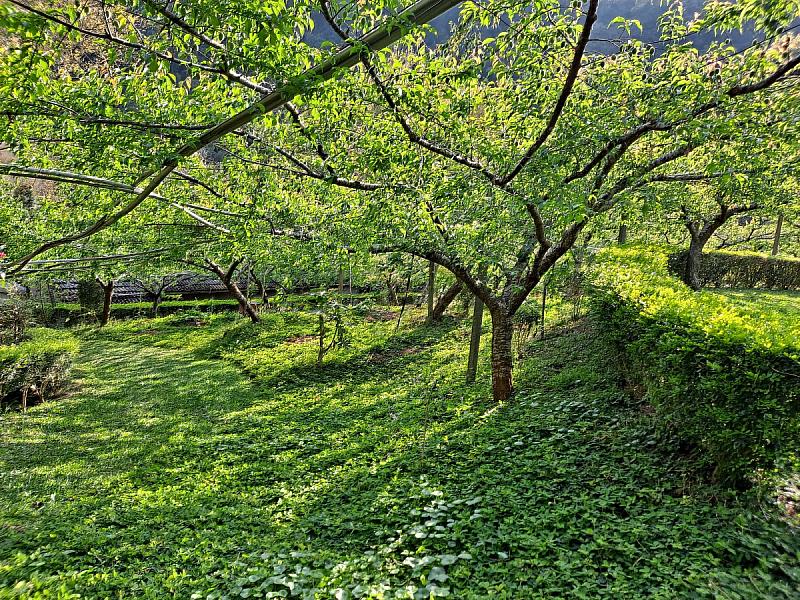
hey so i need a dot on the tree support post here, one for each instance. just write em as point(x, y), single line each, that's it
point(776, 240)
point(431, 291)
point(475, 340)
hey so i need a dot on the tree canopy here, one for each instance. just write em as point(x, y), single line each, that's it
point(217, 129)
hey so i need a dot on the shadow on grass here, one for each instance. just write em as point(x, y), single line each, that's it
point(167, 473)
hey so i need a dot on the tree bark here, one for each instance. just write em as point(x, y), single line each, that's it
point(405, 296)
point(52, 295)
point(622, 236)
point(431, 290)
point(227, 279)
point(108, 292)
point(450, 294)
point(244, 303)
point(502, 360)
point(157, 301)
point(157, 291)
point(475, 340)
point(391, 292)
point(261, 287)
point(350, 279)
point(41, 298)
point(694, 258)
point(776, 240)
point(259, 284)
point(700, 233)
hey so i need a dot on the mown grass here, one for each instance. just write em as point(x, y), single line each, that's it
point(212, 458)
point(208, 304)
point(204, 303)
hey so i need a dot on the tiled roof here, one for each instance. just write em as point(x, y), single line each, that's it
point(194, 283)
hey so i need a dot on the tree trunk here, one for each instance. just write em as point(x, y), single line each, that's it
point(41, 298)
point(391, 296)
point(431, 290)
point(157, 301)
point(265, 289)
point(261, 287)
point(502, 361)
point(405, 296)
point(694, 258)
point(776, 240)
point(341, 280)
point(350, 279)
point(622, 236)
point(475, 340)
point(244, 304)
point(699, 237)
point(450, 294)
point(226, 278)
point(52, 296)
point(108, 292)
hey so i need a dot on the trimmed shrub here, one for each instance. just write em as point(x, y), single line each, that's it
point(36, 369)
point(742, 270)
point(90, 297)
point(14, 318)
point(723, 379)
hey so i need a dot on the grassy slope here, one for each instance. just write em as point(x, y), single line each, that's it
point(170, 473)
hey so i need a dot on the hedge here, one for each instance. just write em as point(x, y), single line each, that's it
point(14, 319)
point(70, 313)
point(742, 269)
point(722, 378)
point(37, 368)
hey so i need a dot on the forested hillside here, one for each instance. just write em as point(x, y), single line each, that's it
point(646, 12)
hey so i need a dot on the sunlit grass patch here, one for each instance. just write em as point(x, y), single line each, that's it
point(173, 474)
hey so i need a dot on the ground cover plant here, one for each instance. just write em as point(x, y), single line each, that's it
point(69, 314)
point(207, 305)
point(188, 467)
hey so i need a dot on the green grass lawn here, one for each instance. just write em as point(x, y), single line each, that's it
point(211, 458)
point(208, 304)
point(777, 303)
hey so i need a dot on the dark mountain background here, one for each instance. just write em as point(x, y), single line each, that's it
point(646, 11)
